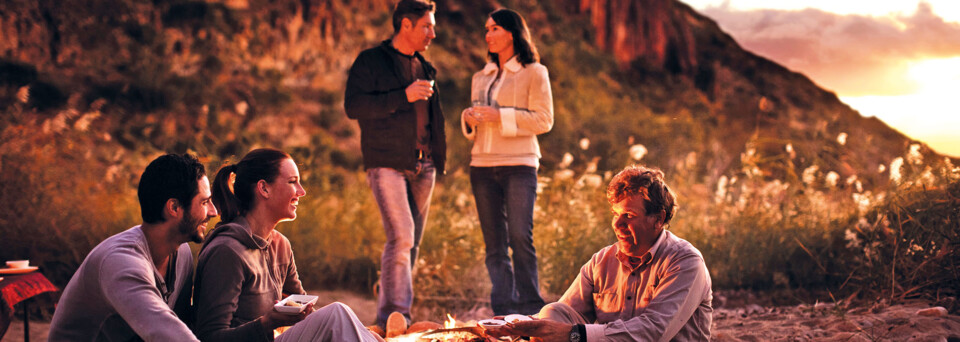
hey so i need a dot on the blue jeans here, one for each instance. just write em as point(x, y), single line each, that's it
point(404, 200)
point(505, 197)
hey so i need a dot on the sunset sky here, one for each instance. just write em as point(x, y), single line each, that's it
point(898, 60)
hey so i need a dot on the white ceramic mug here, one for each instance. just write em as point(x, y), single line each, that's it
point(18, 263)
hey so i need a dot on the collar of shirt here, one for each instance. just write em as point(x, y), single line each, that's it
point(635, 262)
point(389, 44)
point(512, 65)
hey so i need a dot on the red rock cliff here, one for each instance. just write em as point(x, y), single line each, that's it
point(652, 30)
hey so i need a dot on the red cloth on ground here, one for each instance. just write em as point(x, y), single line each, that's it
point(17, 288)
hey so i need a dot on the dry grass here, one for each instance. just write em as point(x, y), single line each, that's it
point(67, 186)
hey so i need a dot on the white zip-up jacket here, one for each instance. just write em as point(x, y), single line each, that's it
point(525, 102)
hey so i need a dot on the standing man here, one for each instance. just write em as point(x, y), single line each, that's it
point(391, 92)
point(135, 284)
point(649, 286)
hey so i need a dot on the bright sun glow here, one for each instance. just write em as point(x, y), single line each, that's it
point(937, 102)
point(937, 73)
point(932, 113)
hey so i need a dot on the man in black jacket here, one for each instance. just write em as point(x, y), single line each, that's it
point(391, 92)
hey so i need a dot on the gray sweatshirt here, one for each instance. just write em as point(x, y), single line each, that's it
point(239, 278)
point(117, 295)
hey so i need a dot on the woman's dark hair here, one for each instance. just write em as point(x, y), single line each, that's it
point(410, 9)
point(236, 199)
point(523, 46)
point(169, 176)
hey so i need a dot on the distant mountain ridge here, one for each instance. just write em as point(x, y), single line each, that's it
point(762, 100)
point(225, 75)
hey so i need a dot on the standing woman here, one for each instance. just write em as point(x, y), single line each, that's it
point(245, 265)
point(512, 104)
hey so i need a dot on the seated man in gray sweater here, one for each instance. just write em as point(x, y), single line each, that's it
point(136, 285)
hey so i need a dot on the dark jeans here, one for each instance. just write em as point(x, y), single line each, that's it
point(505, 197)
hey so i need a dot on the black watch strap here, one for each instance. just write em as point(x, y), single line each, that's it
point(578, 333)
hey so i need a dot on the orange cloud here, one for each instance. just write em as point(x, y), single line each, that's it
point(854, 55)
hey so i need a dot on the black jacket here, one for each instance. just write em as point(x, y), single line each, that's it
point(376, 98)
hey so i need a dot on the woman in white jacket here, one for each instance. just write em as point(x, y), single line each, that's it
point(512, 105)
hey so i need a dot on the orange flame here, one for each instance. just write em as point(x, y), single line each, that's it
point(450, 323)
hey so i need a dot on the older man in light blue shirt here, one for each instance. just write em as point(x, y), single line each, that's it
point(649, 286)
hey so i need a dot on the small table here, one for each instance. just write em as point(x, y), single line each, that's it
point(19, 288)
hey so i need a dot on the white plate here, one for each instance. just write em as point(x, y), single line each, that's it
point(516, 318)
point(18, 270)
point(491, 323)
point(302, 300)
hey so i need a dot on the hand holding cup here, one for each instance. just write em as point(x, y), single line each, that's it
point(468, 116)
point(485, 114)
point(419, 90)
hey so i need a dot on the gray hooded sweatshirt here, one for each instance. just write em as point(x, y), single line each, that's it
point(239, 278)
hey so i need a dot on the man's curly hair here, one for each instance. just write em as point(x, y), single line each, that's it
point(648, 183)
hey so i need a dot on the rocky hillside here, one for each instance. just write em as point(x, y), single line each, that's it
point(219, 76)
point(748, 99)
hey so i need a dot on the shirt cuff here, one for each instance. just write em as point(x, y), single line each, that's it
point(595, 332)
point(508, 122)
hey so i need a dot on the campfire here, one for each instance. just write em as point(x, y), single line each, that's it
point(452, 331)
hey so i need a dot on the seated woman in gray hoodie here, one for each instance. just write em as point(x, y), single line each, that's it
point(245, 265)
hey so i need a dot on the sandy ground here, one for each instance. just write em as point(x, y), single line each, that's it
point(751, 322)
point(826, 322)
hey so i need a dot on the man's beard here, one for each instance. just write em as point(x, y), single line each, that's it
point(188, 227)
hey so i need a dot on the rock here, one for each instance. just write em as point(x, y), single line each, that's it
point(753, 309)
point(847, 326)
point(720, 300)
point(824, 306)
point(950, 303)
point(844, 336)
point(936, 311)
point(858, 310)
point(376, 329)
point(812, 323)
point(723, 337)
point(929, 339)
point(423, 326)
point(879, 306)
point(896, 320)
point(645, 29)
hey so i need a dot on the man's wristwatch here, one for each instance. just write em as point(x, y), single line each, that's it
point(578, 333)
